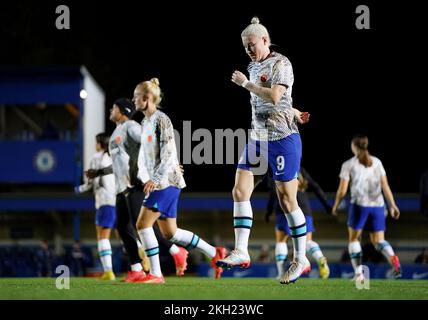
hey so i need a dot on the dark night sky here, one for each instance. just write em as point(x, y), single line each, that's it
point(351, 81)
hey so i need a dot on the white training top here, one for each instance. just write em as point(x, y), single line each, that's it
point(365, 182)
point(158, 160)
point(104, 186)
point(272, 122)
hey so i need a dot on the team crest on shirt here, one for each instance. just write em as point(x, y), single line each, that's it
point(118, 139)
point(264, 78)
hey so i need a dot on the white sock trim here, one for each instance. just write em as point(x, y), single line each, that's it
point(151, 244)
point(136, 267)
point(354, 247)
point(295, 218)
point(242, 209)
point(104, 244)
point(281, 249)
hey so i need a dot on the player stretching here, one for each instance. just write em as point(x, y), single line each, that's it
point(105, 201)
point(276, 136)
point(283, 232)
point(368, 179)
point(163, 181)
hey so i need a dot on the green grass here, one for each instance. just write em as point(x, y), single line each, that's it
point(192, 288)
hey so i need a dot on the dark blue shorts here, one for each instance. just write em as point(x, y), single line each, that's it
point(281, 223)
point(105, 217)
point(370, 218)
point(164, 201)
point(283, 157)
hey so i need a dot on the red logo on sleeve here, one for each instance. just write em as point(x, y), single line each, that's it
point(264, 78)
point(150, 138)
point(118, 139)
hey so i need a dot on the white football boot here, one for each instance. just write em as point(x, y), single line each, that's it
point(296, 269)
point(234, 259)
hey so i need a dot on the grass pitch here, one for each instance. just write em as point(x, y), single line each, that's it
point(193, 288)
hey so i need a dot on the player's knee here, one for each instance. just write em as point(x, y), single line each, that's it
point(239, 194)
point(140, 224)
point(168, 234)
point(172, 237)
point(376, 243)
point(287, 204)
point(103, 235)
point(286, 207)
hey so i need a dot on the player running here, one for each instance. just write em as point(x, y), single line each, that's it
point(124, 147)
point(163, 181)
point(276, 137)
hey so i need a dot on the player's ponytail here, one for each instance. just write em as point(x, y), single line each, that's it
point(361, 143)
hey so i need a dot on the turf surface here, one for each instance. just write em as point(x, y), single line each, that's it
point(193, 288)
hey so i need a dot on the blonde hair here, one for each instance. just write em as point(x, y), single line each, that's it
point(256, 29)
point(152, 86)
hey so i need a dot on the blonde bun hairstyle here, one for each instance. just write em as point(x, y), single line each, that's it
point(255, 28)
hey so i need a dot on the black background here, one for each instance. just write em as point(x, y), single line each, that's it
point(351, 81)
